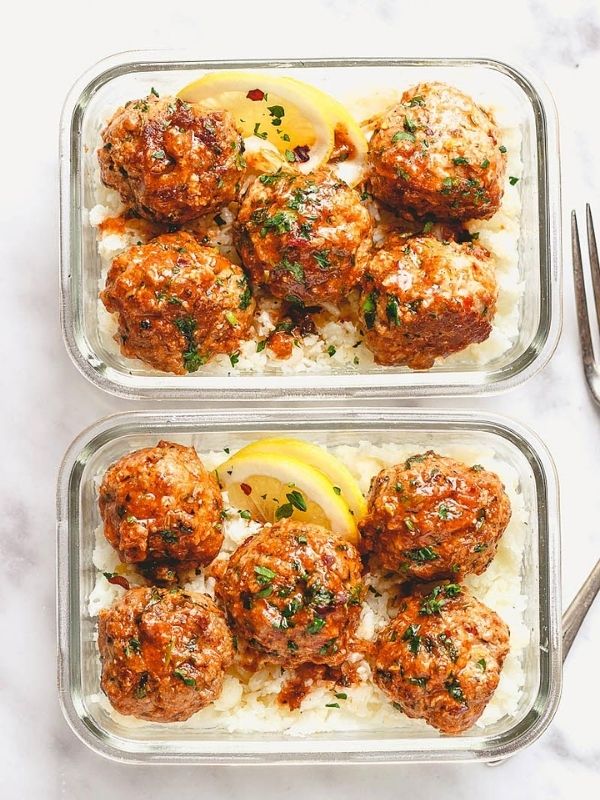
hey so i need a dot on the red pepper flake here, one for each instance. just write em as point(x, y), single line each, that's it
point(245, 488)
point(301, 152)
point(256, 94)
point(117, 580)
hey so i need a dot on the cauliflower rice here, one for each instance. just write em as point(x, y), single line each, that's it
point(312, 354)
point(246, 707)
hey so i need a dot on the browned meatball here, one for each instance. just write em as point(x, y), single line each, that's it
point(162, 510)
point(294, 592)
point(170, 160)
point(422, 298)
point(434, 517)
point(305, 237)
point(440, 658)
point(438, 153)
point(164, 653)
point(179, 303)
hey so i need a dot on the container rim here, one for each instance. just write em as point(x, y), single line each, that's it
point(278, 388)
point(528, 730)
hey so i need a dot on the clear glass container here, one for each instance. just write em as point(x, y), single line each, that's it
point(98, 446)
point(130, 75)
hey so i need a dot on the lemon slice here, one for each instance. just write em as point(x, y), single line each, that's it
point(338, 474)
point(283, 113)
point(272, 487)
point(349, 140)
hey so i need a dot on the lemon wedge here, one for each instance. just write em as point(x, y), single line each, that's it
point(334, 470)
point(272, 487)
point(305, 125)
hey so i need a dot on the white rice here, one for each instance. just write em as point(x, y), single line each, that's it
point(252, 706)
point(500, 235)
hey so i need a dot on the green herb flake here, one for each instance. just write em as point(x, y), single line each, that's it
point(502, 148)
point(234, 358)
point(477, 468)
point(485, 163)
point(409, 524)
point(317, 624)
point(154, 92)
point(337, 490)
point(391, 310)
point(245, 514)
point(443, 511)
point(331, 351)
point(403, 136)
point(341, 695)
point(459, 160)
point(260, 346)
point(297, 500)
point(482, 665)
point(232, 319)
point(294, 268)
point(264, 575)
point(158, 154)
point(322, 258)
point(512, 180)
point(411, 635)
point(185, 678)
point(284, 511)
point(290, 156)
point(421, 555)
point(454, 689)
point(332, 705)
point(417, 100)
point(369, 309)
point(428, 227)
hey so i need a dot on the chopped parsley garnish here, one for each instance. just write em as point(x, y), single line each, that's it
point(411, 635)
point(391, 310)
point(245, 514)
point(264, 575)
point(269, 180)
point(369, 309)
point(417, 100)
point(479, 548)
point(434, 602)
point(406, 136)
point(260, 346)
point(421, 554)
point(158, 154)
point(266, 592)
point(512, 180)
point(293, 267)
point(460, 160)
point(477, 468)
point(418, 681)
point(232, 319)
point(169, 536)
point(141, 690)
point(258, 132)
point(279, 223)
point(485, 163)
point(409, 524)
point(413, 460)
point(453, 688)
point(292, 646)
point(482, 664)
point(443, 511)
point(290, 156)
point(234, 358)
point(317, 624)
point(341, 695)
point(337, 490)
point(322, 258)
point(502, 148)
point(185, 678)
point(297, 500)
point(331, 352)
point(154, 92)
point(284, 511)
point(332, 705)
point(428, 227)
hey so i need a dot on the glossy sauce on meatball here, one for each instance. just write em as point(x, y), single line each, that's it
point(178, 303)
point(164, 653)
point(162, 510)
point(434, 517)
point(294, 593)
point(438, 153)
point(422, 298)
point(170, 160)
point(440, 659)
point(304, 237)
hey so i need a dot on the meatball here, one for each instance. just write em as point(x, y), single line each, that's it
point(171, 161)
point(434, 517)
point(305, 237)
point(294, 592)
point(161, 510)
point(178, 303)
point(422, 298)
point(438, 153)
point(164, 653)
point(440, 658)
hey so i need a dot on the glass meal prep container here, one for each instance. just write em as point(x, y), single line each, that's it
point(79, 669)
point(131, 75)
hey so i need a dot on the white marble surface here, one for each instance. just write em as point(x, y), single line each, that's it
point(45, 402)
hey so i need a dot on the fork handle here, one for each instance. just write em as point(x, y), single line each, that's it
point(575, 613)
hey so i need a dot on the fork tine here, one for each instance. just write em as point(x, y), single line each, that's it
point(583, 319)
point(593, 254)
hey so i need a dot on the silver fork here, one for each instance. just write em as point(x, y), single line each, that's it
point(591, 367)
